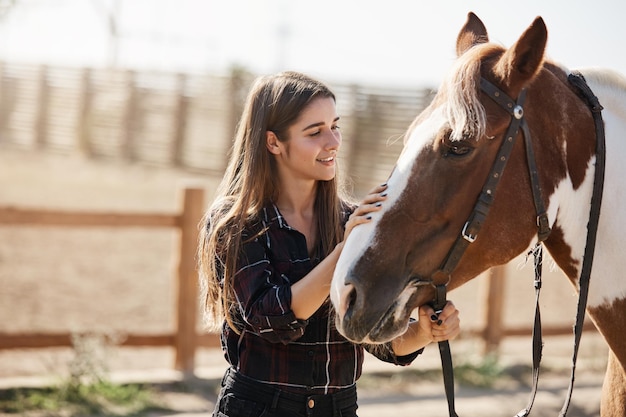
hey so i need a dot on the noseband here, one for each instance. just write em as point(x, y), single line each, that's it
point(440, 279)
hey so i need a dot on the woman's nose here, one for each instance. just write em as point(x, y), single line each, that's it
point(334, 140)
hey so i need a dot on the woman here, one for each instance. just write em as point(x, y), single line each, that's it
point(268, 248)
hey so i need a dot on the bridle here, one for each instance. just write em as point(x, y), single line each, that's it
point(440, 279)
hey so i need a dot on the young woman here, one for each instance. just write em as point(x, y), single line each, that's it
point(268, 247)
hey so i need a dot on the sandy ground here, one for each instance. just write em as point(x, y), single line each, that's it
point(117, 281)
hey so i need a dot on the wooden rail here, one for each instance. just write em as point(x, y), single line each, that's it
point(185, 340)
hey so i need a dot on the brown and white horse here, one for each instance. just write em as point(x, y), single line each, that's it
point(448, 154)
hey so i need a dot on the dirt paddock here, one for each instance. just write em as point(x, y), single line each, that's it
point(118, 281)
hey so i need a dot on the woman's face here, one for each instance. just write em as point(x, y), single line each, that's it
point(314, 140)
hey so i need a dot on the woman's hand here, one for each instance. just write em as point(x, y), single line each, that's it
point(445, 327)
point(429, 328)
point(308, 294)
point(371, 203)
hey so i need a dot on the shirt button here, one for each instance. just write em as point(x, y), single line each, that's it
point(311, 403)
point(310, 352)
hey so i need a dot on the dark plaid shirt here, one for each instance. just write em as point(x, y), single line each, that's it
point(275, 347)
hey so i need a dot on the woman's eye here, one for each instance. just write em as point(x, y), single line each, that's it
point(319, 131)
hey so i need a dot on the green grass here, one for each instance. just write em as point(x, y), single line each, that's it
point(69, 399)
point(86, 391)
point(483, 373)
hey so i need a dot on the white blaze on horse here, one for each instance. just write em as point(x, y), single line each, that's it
point(447, 159)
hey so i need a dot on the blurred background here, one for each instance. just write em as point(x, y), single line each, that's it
point(396, 42)
point(115, 106)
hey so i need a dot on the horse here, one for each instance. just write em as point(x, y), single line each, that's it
point(393, 264)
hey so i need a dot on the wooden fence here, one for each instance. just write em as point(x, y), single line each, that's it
point(183, 120)
point(185, 339)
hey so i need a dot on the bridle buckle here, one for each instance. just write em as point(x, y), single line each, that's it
point(467, 236)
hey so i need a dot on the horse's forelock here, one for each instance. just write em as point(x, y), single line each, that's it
point(465, 113)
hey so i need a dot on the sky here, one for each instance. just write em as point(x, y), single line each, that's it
point(378, 42)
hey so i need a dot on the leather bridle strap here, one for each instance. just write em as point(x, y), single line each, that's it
point(485, 199)
point(578, 81)
point(473, 225)
point(543, 223)
point(517, 112)
point(543, 226)
point(444, 351)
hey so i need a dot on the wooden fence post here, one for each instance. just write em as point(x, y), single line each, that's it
point(3, 111)
point(83, 131)
point(41, 117)
point(187, 300)
point(238, 89)
point(494, 300)
point(180, 121)
point(348, 148)
point(130, 118)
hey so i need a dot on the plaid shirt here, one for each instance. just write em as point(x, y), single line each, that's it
point(274, 346)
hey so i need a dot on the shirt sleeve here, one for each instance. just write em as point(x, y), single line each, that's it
point(385, 353)
point(263, 298)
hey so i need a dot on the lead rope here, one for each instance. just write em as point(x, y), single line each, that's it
point(537, 340)
point(579, 82)
point(537, 336)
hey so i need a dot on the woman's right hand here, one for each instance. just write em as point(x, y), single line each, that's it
point(371, 203)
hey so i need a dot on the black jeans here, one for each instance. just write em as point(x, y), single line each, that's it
point(241, 396)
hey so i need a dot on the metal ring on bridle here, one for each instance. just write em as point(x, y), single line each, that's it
point(518, 112)
point(432, 282)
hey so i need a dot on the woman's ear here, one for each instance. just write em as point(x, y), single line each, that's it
point(272, 143)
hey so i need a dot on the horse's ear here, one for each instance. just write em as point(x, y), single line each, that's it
point(522, 61)
point(472, 33)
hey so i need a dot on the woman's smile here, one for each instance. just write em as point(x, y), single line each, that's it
point(330, 161)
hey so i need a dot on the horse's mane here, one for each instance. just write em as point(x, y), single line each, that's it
point(460, 90)
point(459, 95)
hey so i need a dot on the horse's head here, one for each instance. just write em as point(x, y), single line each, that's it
point(388, 264)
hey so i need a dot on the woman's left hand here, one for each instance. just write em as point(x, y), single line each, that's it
point(428, 328)
point(446, 326)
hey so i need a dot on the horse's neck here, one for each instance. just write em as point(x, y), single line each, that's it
point(573, 205)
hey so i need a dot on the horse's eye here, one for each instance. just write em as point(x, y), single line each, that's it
point(456, 149)
point(459, 150)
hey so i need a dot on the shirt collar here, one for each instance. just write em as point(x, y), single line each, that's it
point(271, 214)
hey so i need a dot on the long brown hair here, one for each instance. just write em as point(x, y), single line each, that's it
point(273, 104)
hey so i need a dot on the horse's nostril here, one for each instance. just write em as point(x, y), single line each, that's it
point(343, 298)
point(350, 301)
